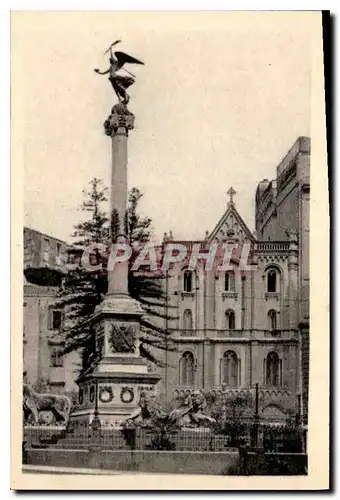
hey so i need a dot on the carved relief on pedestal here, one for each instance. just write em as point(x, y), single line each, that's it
point(81, 396)
point(92, 393)
point(127, 395)
point(122, 338)
point(105, 394)
point(100, 339)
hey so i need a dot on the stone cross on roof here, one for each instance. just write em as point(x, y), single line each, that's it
point(231, 192)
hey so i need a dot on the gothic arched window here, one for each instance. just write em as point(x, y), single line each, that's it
point(230, 319)
point(187, 369)
point(273, 369)
point(229, 282)
point(188, 281)
point(230, 369)
point(272, 281)
point(187, 320)
point(272, 319)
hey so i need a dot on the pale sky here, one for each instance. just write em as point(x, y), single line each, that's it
point(220, 100)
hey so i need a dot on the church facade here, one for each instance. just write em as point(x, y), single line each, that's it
point(237, 328)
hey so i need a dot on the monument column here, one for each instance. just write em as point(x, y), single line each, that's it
point(117, 126)
point(112, 390)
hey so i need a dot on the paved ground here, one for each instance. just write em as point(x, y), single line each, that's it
point(41, 469)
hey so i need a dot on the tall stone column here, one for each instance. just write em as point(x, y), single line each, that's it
point(113, 389)
point(117, 127)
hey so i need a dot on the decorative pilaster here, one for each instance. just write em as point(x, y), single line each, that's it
point(293, 265)
point(293, 295)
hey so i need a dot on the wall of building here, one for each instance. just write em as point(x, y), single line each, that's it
point(41, 250)
point(285, 193)
point(40, 340)
point(292, 212)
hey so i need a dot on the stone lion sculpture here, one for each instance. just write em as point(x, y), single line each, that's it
point(191, 413)
point(35, 402)
point(147, 412)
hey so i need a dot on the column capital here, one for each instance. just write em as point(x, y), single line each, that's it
point(120, 118)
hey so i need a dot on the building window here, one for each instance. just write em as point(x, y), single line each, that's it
point(271, 281)
point(230, 319)
point(230, 369)
point(56, 317)
point(187, 369)
point(229, 282)
point(47, 248)
point(57, 359)
point(187, 320)
point(58, 254)
point(272, 320)
point(187, 281)
point(273, 370)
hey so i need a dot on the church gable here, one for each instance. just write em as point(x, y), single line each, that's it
point(231, 226)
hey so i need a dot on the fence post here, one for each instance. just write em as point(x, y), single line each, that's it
point(95, 434)
point(95, 428)
point(298, 421)
point(24, 452)
point(27, 437)
point(255, 437)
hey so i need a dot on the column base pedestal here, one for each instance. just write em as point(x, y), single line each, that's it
point(113, 390)
point(118, 393)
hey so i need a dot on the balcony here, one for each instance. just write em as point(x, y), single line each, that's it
point(189, 333)
point(272, 296)
point(265, 391)
point(273, 334)
point(229, 295)
point(271, 246)
point(244, 335)
point(189, 295)
point(231, 333)
point(220, 390)
point(248, 335)
point(223, 389)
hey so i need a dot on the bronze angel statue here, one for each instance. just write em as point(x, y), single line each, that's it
point(120, 82)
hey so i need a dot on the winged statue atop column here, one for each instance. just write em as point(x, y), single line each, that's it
point(120, 82)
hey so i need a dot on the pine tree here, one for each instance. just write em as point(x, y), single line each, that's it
point(82, 290)
point(94, 229)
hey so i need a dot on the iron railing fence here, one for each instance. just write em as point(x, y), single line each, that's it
point(113, 439)
point(275, 439)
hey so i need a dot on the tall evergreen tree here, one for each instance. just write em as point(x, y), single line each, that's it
point(93, 230)
point(82, 290)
